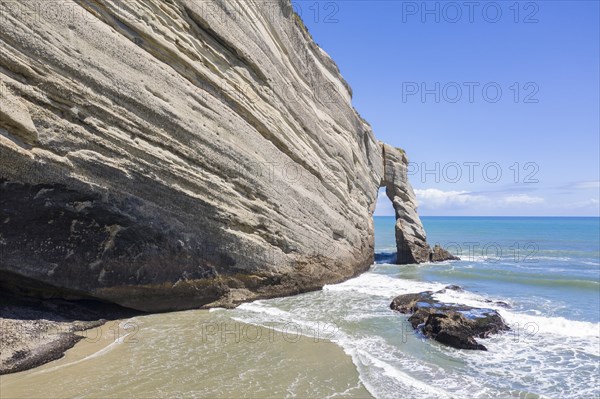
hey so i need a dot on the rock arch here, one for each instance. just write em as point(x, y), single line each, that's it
point(411, 240)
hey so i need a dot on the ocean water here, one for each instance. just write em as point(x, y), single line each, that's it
point(546, 269)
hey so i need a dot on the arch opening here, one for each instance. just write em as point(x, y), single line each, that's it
point(384, 221)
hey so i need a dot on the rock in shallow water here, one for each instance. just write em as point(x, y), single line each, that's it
point(451, 324)
point(439, 254)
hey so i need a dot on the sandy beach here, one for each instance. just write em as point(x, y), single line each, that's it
point(207, 354)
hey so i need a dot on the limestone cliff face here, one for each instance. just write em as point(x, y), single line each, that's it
point(170, 154)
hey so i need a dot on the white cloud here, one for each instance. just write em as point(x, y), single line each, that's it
point(591, 203)
point(522, 199)
point(456, 202)
point(433, 198)
point(586, 185)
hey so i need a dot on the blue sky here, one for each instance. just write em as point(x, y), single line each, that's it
point(500, 103)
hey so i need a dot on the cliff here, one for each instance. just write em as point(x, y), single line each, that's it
point(167, 155)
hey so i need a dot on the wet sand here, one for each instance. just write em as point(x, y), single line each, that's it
point(191, 354)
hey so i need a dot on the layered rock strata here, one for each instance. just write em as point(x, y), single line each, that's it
point(166, 155)
point(411, 240)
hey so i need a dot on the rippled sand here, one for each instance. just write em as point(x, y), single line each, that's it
point(191, 354)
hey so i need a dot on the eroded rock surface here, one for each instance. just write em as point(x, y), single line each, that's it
point(411, 240)
point(451, 324)
point(172, 154)
point(35, 331)
point(168, 155)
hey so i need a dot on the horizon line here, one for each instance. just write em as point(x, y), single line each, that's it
point(500, 216)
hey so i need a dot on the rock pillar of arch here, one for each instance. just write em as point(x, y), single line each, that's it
point(411, 240)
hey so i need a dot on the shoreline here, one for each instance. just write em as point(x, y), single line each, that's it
point(201, 358)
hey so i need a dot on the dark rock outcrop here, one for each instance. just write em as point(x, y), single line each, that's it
point(450, 324)
point(451, 329)
point(439, 254)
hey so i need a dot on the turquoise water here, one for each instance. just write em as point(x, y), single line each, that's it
point(545, 264)
point(546, 269)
